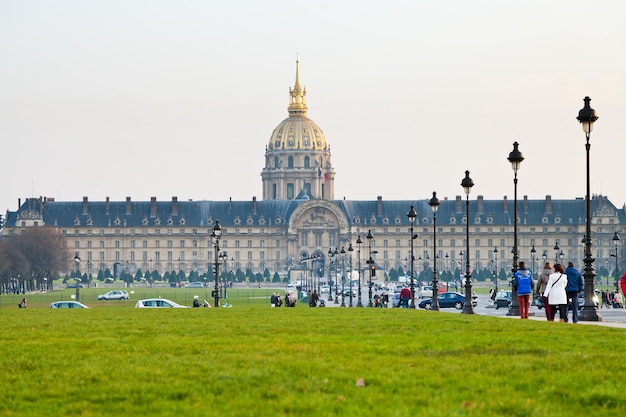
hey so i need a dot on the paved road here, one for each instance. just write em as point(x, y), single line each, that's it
point(612, 317)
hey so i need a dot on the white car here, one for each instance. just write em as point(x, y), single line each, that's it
point(114, 295)
point(325, 289)
point(157, 303)
point(67, 304)
point(425, 291)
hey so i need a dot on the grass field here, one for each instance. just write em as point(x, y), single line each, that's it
point(253, 360)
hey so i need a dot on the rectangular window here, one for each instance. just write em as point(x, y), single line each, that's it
point(157, 244)
point(182, 243)
point(132, 243)
point(169, 255)
point(102, 256)
point(182, 256)
point(157, 256)
point(117, 256)
point(249, 243)
point(249, 255)
point(262, 243)
point(290, 192)
point(318, 239)
point(144, 256)
point(132, 255)
point(77, 244)
point(89, 243)
point(117, 243)
point(262, 255)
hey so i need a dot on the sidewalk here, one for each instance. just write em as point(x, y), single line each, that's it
point(616, 324)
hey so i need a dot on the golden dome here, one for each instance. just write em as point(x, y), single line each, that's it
point(297, 131)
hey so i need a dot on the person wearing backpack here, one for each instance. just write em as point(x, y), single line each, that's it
point(523, 287)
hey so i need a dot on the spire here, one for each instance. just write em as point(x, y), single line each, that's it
point(297, 74)
point(297, 96)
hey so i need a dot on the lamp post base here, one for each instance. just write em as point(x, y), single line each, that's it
point(468, 307)
point(589, 313)
point(513, 311)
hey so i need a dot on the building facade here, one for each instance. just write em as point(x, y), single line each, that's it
point(298, 218)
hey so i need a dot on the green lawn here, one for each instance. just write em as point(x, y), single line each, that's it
point(253, 360)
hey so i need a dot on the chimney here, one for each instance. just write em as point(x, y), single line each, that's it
point(19, 203)
point(153, 207)
point(174, 206)
point(481, 205)
point(254, 206)
point(128, 206)
point(85, 206)
point(548, 204)
point(457, 204)
point(505, 204)
point(525, 204)
point(107, 207)
point(379, 205)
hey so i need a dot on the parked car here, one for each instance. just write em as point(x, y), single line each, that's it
point(73, 285)
point(114, 295)
point(503, 299)
point(157, 303)
point(346, 292)
point(425, 291)
point(195, 285)
point(447, 300)
point(325, 289)
point(67, 304)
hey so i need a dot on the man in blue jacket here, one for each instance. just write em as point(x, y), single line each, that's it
point(523, 287)
point(574, 286)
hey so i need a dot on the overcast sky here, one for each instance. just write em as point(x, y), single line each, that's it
point(179, 98)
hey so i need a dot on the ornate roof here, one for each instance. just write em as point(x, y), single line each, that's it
point(297, 132)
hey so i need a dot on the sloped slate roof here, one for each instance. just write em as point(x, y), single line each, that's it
point(278, 212)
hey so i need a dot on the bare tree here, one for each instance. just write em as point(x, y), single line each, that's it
point(30, 260)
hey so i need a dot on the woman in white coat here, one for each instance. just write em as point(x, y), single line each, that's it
point(555, 291)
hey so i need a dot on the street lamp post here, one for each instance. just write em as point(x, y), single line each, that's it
point(78, 280)
point(370, 263)
point(343, 277)
point(434, 205)
point(359, 242)
point(533, 258)
point(495, 270)
point(467, 185)
point(515, 158)
point(215, 238)
point(557, 248)
point(615, 241)
point(350, 250)
point(336, 260)
point(330, 277)
point(412, 215)
point(587, 117)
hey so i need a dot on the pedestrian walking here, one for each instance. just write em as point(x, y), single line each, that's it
point(574, 287)
point(555, 291)
point(540, 288)
point(522, 284)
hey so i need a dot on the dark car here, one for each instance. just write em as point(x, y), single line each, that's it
point(503, 299)
point(447, 300)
